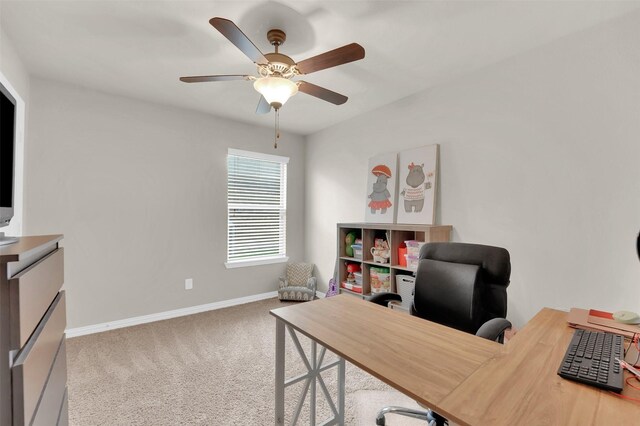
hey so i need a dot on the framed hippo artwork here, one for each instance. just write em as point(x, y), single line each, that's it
point(417, 175)
point(381, 188)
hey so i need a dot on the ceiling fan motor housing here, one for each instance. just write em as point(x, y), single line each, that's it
point(276, 37)
point(279, 64)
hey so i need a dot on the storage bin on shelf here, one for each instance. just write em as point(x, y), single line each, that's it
point(405, 285)
point(380, 280)
point(413, 247)
point(353, 287)
point(357, 250)
point(402, 255)
point(412, 262)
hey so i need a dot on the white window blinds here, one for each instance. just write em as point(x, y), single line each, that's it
point(257, 207)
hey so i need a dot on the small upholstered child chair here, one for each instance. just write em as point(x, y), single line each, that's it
point(299, 284)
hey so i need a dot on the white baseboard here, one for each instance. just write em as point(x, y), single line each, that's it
point(128, 322)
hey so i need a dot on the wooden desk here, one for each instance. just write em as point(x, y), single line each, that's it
point(519, 385)
point(421, 359)
point(467, 379)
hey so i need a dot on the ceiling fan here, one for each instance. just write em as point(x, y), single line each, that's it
point(276, 70)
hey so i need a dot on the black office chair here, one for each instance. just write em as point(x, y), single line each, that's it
point(463, 286)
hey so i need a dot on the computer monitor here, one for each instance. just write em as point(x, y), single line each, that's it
point(7, 160)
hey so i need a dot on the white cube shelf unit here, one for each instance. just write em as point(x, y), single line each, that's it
point(395, 236)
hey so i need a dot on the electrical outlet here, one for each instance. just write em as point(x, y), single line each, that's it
point(188, 284)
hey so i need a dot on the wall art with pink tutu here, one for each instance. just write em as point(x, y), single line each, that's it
point(381, 188)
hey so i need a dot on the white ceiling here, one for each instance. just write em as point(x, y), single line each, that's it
point(139, 49)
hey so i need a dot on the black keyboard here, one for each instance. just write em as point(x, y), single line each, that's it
point(590, 359)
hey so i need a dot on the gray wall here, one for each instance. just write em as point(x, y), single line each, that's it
point(539, 154)
point(139, 191)
point(12, 67)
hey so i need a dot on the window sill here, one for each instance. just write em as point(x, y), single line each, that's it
point(255, 262)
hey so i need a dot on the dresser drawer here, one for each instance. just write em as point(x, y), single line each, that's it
point(53, 394)
point(33, 364)
point(31, 292)
point(63, 417)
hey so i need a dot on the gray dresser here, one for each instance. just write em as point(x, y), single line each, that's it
point(33, 364)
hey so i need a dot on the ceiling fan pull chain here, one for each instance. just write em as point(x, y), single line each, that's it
point(277, 127)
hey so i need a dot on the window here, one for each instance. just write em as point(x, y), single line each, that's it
point(257, 208)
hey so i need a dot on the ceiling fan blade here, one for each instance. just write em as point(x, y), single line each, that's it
point(231, 31)
point(205, 78)
point(263, 106)
point(341, 55)
point(322, 93)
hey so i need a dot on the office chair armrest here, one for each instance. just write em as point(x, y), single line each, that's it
point(494, 329)
point(311, 284)
point(383, 299)
point(283, 282)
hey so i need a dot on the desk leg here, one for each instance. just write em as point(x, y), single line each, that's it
point(341, 379)
point(312, 397)
point(280, 357)
point(311, 379)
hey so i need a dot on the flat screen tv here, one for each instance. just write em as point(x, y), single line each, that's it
point(7, 159)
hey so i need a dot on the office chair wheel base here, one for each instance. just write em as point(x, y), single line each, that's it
point(408, 412)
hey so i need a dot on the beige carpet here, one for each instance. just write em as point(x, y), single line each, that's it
point(214, 368)
point(368, 402)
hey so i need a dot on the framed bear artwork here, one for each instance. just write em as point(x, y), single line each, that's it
point(381, 188)
point(417, 183)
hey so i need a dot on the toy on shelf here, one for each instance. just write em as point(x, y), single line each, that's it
point(380, 251)
point(352, 242)
point(349, 240)
point(351, 269)
point(354, 278)
point(333, 287)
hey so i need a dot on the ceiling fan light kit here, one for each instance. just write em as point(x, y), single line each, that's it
point(276, 90)
point(276, 70)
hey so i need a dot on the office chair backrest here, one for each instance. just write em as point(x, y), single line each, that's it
point(461, 285)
